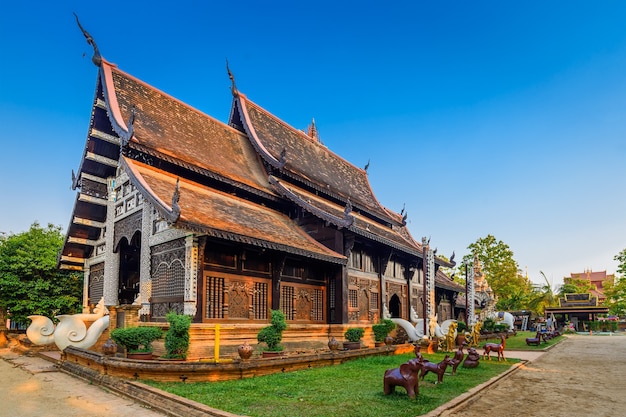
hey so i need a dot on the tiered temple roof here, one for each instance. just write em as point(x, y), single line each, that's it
point(226, 180)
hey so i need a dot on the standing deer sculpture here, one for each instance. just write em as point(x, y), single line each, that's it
point(495, 347)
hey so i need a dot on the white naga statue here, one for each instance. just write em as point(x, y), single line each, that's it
point(71, 330)
point(386, 313)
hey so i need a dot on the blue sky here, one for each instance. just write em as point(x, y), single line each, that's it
point(483, 117)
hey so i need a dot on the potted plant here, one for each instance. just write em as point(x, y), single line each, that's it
point(381, 331)
point(353, 336)
point(177, 336)
point(137, 340)
point(273, 334)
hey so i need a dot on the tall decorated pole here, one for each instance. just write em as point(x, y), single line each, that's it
point(425, 288)
point(430, 282)
point(470, 295)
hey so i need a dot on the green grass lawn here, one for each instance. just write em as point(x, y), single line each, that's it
point(518, 342)
point(354, 388)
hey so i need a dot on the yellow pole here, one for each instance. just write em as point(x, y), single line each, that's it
point(217, 343)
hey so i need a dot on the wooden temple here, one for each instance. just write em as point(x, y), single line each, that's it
point(176, 210)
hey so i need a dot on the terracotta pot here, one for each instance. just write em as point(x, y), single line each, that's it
point(245, 351)
point(109, 347)
point(333, 344)
point(351, 345)
point(379, 344)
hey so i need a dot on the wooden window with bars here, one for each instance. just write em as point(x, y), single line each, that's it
point(259, 301)
point(214, 298)
point(286, 301)
point(317, 310)
point(353, 298)
point(374, 301)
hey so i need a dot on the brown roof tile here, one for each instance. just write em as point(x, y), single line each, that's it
point(361, 224)
point(226, 216)
point(308, 159)
point(173, 128)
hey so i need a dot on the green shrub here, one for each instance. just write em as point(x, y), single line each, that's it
point(177, 336)
point(273, 334)
point(354, 334)
point(461, 327)
point(489, 325)
point(499, 328)
point(136, 339)
point(380, 332)
point(382, 329)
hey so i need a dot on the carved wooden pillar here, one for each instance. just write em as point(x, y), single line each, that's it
point(383, 262)
point(277, 273)
point(201, 290)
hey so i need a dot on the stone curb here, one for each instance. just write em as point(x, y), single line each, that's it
point(152, 398)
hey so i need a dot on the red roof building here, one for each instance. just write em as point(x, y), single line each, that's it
point(596, 279)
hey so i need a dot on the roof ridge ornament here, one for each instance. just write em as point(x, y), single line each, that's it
point(96, 58)
point(347, 216)
point(175, 200)
point(233, 87)
point(124, 139)
point(74, 180)
point(365, 168)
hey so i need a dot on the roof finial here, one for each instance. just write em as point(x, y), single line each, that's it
point(96, 58)
point(367, 165)
point(233, 88)
point(312, 131)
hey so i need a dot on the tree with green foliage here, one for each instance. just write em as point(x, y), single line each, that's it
point(501, 271)
point(543, 296)
point(30, 282)
point(575, 286)
point(621, 268)
point(615, 292)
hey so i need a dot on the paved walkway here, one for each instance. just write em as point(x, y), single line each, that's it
point(582, 376)
point(34, 387)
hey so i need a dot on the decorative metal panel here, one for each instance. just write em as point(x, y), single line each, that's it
point(96, 282)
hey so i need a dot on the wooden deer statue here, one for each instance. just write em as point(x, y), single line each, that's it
point(495, 347)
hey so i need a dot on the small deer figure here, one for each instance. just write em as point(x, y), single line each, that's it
point(495, 347)
point(436, 368)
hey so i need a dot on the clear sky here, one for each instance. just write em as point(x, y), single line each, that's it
point(483, 117)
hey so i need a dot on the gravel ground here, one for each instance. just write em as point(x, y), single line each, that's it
point(582, 376)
